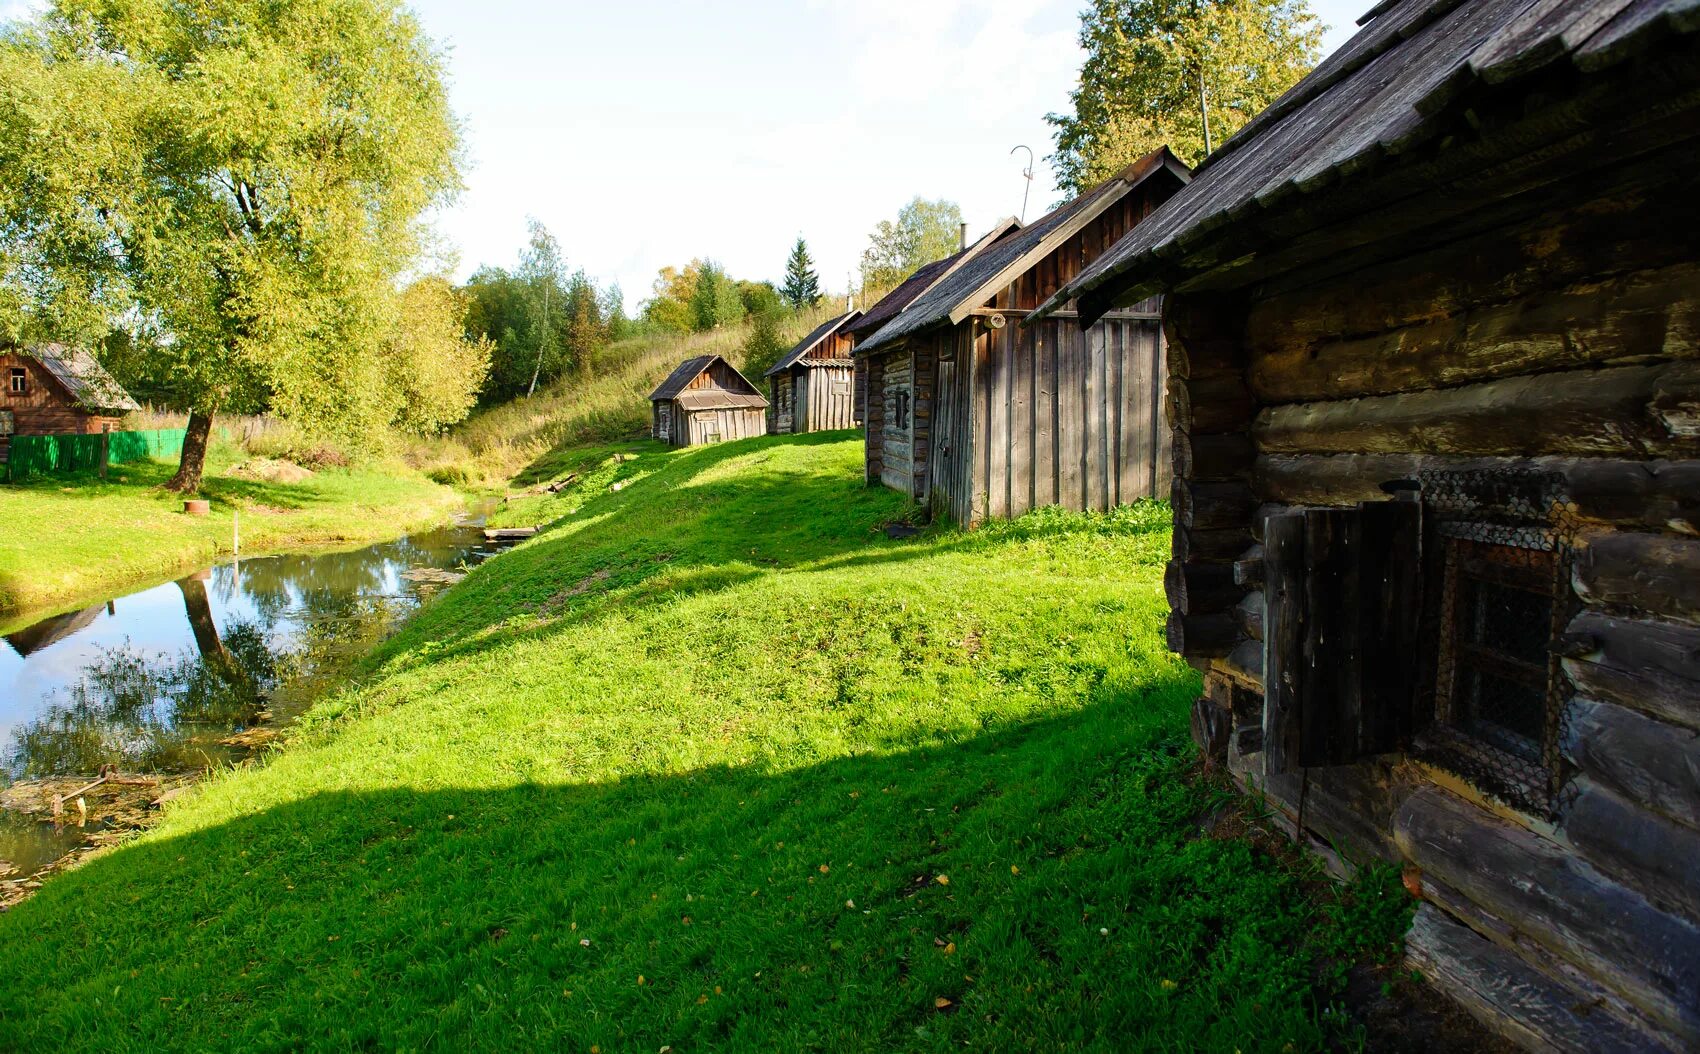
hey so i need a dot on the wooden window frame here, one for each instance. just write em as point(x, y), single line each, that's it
point(18, 382)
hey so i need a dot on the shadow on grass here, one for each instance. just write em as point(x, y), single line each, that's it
point(729, 908)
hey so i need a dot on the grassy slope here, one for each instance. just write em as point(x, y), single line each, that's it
point(72, 539)
point(692, 769)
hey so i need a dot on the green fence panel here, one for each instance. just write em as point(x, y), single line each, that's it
point(61, 454)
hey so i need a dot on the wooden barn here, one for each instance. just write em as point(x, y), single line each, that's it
point(814, 382)
point(1434, 371)
point(706, 400)
point(977, 414)
point(53, 389)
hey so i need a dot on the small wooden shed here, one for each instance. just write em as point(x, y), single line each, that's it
point(56, 389)
point(814, 382)
point(977, 414)
point(706, 400)
point(1434, 371)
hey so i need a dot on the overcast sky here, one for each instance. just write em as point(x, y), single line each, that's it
point(645, 133)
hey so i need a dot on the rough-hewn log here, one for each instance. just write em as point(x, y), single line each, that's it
point(1204, 403)
point(1627, 411)
point(1204, 333)
point(1639, 316)
point(1244, 665)
point(1653, 763)
point(1211, 506)
point(1350, 805)
point(1209, 546)
point(1224, 455)
point(1249, 614)
point(1261, 515)
point(1640, 848)
point(1655, 495)
point(1200, 589)
point(1248, 568)
point(1656, 574)
point(1612, 932)
point(1201, 636)
point(1653, 667)
point(1210, 727)
point(1507, 995)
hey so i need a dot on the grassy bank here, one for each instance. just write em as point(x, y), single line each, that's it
point(505, 442)
point(715, 764)
point(71, 540)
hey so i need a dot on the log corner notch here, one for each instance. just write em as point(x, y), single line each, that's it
point(1210, 410)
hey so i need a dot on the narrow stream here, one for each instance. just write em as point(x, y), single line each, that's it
point(195, 673)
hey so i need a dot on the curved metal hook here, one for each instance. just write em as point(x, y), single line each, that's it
point(1027, 174)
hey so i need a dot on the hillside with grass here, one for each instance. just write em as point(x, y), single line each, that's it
point(507, 441)
point(715, 763)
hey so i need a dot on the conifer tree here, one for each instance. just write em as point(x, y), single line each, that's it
point(802, 284)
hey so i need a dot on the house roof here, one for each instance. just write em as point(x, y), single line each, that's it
point(979, 279)
point(82, 377)
point(923, 279)
point(1394, 85)
point(687, 371)
point(719, 399)
point(808, 343)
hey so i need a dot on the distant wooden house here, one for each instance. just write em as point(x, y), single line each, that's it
point(978, 415)
point(706, 400)
point(814, 382)
point(1434, 374)
point(54, 389)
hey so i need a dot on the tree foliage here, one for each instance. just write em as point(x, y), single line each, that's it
point(247, 177)
point(1149, 63)
point(435, 369)
point(716, 301)
point(763, 346)
point(801, 287)
point(924, 231)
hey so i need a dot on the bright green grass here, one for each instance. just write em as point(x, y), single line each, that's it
point(66, 540)
point(691, 770)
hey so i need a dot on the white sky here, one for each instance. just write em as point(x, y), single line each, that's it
point(646, 133)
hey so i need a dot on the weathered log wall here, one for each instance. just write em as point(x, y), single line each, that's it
point(1568, 342)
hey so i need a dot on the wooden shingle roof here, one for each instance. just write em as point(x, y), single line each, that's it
point(1396, 84)
point(924, 278)
point(808, 343)
point(687, 371)
point(978, 279)
point(83, 378)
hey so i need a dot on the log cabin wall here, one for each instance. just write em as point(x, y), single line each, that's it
point(42, 408)
point(784, 406)
point(872, 371)
point(1565, 339)
point(901, 435)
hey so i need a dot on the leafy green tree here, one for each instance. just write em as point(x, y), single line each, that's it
point(586, 329)
point(923, 232)
point(542, 270)
point(763, 346)
point(669, 308)
point(759, 297)
point(1183, 73)
point(614, 312)
point(431, 361)
point(715, 301)
point(250, 176)
point(801, 287)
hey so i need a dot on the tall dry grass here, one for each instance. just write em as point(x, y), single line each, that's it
point(498, 444)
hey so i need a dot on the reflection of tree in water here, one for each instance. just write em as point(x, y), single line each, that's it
point(275, 585)
point(142, 712)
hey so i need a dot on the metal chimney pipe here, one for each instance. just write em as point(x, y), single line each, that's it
point(962, 237)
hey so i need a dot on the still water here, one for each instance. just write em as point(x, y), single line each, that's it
point(158, 680)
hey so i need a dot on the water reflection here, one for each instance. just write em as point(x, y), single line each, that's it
point(170, 679)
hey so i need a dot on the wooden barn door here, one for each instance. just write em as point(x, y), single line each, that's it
point(1340, 634)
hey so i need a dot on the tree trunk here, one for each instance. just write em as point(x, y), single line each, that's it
point(194, 460)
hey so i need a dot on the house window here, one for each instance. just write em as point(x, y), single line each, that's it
point(20, 381)
point(900, 412)
point(1504, 597)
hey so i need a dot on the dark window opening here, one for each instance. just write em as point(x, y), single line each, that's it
point(20, 384)
point(1502, 570)
point(901, 416)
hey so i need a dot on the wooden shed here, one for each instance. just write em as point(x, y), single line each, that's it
point(55, 389)
point(706, 400)
point(977, 414)
point(1434, 371)
point(814, 382)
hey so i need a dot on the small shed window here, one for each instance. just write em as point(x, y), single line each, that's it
point(20, 381)
point(1501, 566)
point(900, 412)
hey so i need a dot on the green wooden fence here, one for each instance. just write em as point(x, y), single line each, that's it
point(57, 455)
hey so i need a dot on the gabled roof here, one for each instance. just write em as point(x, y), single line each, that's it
point(808, 343)
point(687, 371)
point(977, 280)
point(82, 377)
point(719, 399)
point(924, 278)
point(1395, 84)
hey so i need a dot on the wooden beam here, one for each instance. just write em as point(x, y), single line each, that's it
point(1652, 667)
point(1652, 573)
point(1651, 762)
